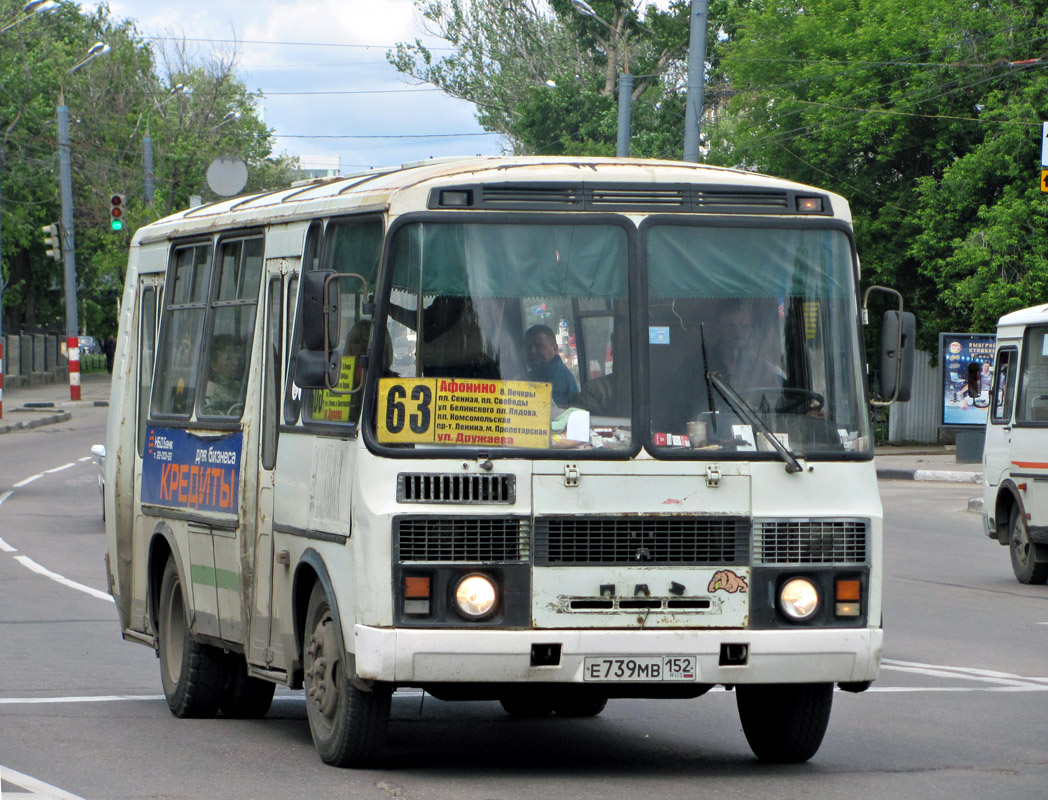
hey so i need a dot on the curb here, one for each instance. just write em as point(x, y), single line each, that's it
point(52, 419)
point(940, 475)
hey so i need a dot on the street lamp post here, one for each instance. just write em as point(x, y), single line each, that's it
point(622, 142)
point(30, 9)
point(147, 144)
point(68, 242)
point(696, 78)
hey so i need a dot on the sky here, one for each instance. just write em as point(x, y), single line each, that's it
point(321, 65)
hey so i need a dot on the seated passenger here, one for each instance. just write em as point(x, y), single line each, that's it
point(546, 366)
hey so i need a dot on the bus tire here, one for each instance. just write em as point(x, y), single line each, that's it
point(1024, 553)
point(528, 703)
point(784, 723)
point(348, 724)
point(245, 697)
point(194, 675)
point(579, 705)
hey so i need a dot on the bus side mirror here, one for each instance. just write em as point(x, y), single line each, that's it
point(897, 354)
point(317, 364)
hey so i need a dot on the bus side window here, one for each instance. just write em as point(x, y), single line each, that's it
point(182, 331)
point(146, 354)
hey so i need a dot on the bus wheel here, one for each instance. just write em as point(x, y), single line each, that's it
point(193, 674)
point(784, 723)
point(528, 703)
point(1025, 565)
point(245, 697)
point(348, 724)
point(579, 705)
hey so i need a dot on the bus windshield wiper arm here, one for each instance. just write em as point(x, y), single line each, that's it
point(747, 412)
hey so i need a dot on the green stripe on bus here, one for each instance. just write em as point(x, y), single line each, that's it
point(220, 578)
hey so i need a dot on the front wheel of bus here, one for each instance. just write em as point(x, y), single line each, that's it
point(193, 674)
point(784, 723)
point(1025, 565)
point(348, 724)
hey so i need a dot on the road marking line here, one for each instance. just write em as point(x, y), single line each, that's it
point(4, 496)
point(28, 480)
point(37, 787)
point(86, 458)
point(59, 469)
point(7, 548)
point(1009, 679)
point(26, 561)
point(104, 698)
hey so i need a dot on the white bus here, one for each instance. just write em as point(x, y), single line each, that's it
point(1015, 454)
point(545, 431)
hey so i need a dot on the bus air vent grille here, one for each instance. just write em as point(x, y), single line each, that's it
point(523, 195)
point(461, 539)
point(678, 541)
point(454, 488)
point(650, 198)
point(703, 199)
point(810, 541)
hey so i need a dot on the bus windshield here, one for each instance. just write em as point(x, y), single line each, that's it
point(519, 336)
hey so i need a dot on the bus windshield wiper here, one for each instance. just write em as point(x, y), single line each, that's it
point(748, 413)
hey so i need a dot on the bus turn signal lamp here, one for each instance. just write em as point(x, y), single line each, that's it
point(475, 596)
point(416, 594)
point(799, 599)
point(848, 595)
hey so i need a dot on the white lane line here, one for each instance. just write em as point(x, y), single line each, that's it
point(38, 788)
point(28, 480)
point(26, 561)
point(1005, 679)
point(7, 548)
point(4, 496)
point(104, 698)
point(86, 458)
point(59, 469)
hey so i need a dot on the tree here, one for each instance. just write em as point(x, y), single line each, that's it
point(112, 102)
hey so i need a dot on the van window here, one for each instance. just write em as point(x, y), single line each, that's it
point(1003, 386)
point(1032, 406)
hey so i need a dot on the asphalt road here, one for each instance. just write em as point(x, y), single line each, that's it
point(960, 711)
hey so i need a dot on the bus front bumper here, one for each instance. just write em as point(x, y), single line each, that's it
point(490, 656)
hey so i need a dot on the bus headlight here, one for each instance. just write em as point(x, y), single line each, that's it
point(798, 599)
point(475, 596)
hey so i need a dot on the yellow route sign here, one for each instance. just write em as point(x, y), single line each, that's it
point(464, 412)
point(1044, 180)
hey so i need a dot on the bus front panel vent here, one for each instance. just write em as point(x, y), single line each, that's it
point(456, 488)
point(423, 539)
point(810, 541)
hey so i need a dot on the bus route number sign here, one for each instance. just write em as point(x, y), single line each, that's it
point(464, 412)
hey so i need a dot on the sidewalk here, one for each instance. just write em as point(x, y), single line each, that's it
point(33, 406)
point(29, 407)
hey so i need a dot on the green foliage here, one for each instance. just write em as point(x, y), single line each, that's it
point(113, 101)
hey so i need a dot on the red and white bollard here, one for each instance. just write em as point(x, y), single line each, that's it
point(73, 348)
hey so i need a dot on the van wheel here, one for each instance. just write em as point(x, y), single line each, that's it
point(245, 697)
point(1025, 565)
point(194, 675)
point(348, 724)
point(579, 705)
point(784, 723)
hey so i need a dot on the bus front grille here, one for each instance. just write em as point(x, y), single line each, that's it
point(461, 539)
point(810, 541)
point(676, 541)
point(421, 487)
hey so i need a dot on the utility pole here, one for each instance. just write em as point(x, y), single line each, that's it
point(65, 176)
point(696, 78)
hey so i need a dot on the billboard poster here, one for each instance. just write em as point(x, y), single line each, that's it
point(961, 355)
point(196, 473)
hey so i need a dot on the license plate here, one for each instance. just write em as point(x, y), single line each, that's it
point(639, 668)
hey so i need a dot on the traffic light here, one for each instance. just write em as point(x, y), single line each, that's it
point(52, 242)
point(116, 212)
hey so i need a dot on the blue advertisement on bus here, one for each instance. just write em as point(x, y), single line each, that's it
point(967, 373)
point(187, 471)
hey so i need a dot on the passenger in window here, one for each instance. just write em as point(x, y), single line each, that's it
point(452, 343)
point(546, 366)
point(740, 346)
point(224, 393)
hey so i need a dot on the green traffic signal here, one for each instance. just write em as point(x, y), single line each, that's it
point(116, 212)
point(116, 224)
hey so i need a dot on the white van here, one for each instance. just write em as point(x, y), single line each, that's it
point(1015, 458)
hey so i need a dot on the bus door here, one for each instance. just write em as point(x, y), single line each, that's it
point(1029, 442)
point(263, 647)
